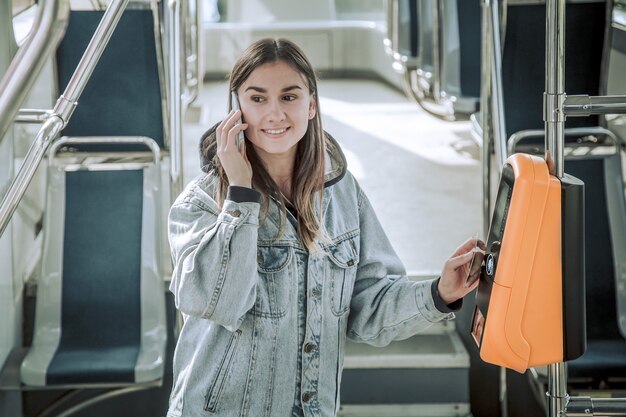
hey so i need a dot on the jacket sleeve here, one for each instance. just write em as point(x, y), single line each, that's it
point(214, 259)
point(385, 304)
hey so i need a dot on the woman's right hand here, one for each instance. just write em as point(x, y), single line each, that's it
point(235, 163)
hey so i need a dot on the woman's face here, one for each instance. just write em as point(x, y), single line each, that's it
point(276, 105)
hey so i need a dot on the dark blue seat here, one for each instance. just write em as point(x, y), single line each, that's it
point(123, 96)
point(100, 307)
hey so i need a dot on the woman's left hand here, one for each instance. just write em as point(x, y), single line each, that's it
point(455, 271)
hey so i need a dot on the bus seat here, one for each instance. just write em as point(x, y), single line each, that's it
point(124, 96)
point(100, 306)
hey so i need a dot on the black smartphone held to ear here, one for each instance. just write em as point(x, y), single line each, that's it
point(235, 103)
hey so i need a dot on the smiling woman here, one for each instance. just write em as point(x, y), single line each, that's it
point(277, 115)
point(279, 257)
point(277, 90)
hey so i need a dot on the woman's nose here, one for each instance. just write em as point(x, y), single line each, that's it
point(276, 113)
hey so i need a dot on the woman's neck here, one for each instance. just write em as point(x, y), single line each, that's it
point(280, 168)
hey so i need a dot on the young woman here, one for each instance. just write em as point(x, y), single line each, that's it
point(278, 257)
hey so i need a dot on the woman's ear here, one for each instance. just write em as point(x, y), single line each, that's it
point(312, 108)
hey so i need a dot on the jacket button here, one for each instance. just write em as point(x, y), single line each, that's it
point(350, 262)
point(306, 397)
point(236, 213)
point(310, 347)
point(316, 292)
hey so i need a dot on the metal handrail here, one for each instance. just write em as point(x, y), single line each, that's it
point(517, 137)
point(48, 30)
point(175, 95)
point(191, 59)
point(62, 111)
point(149, 143)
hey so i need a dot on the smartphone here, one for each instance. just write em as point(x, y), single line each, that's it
point(235, 103)
point(476, 263)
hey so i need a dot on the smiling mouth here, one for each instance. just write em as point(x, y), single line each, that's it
point(276, 131)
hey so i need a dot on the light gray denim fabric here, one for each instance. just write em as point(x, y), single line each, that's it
point(236, 284)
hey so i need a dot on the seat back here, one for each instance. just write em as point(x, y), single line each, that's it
point(100, 308)
point(124, 96)
point(524, 52)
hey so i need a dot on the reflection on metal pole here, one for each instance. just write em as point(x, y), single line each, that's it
point(554, 96)
point(499, 123)
point(175, 96)
point(485, 117)
point(554, 125)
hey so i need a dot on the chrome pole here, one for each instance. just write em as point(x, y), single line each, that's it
point(25, 67)
point(66, 104)
point(485, 116)
point(499, 122)
point(588, 407)
point(175, 88)
point(554, 96)
point(554, 120)
point(436, 78)
point(583, 105)
point(557, 389)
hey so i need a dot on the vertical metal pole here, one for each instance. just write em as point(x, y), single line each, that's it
point(554, 96)
point(436, 42)
point(175, 83)
point(494, 132)
point(485, 116)
point(557, 389)
point(499, 122)
point(554, 125)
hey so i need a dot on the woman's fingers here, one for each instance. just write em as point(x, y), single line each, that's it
point(223, 129)
point(460, 260)
point(231, 142)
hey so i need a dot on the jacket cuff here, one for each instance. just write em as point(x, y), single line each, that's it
point(243, 194)
point(440, 304)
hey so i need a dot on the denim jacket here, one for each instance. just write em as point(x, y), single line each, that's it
point(235, 281)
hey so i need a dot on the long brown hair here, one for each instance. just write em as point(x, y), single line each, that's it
point(308, 175)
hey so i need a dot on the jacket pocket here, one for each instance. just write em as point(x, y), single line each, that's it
point(217, 386)
point(275, 281)
point(345, 257)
